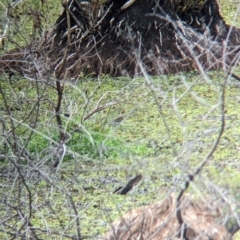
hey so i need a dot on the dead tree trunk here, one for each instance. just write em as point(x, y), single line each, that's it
point(122, 37)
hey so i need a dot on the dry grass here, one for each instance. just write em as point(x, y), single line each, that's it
point(198, 220)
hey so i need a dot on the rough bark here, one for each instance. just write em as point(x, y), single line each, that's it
point(116, 38)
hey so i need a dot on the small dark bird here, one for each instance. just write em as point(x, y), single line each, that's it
point(117, 121)
point(67, 115)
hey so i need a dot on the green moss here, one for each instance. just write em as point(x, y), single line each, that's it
point(166, 133)
point(230, 11)
point(160, 137)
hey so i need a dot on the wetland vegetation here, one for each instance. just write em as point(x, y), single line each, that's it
point(56, 188)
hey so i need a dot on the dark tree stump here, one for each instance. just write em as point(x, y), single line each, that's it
point(128, 37)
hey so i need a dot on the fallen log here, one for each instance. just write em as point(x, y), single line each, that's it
point(199, 220)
